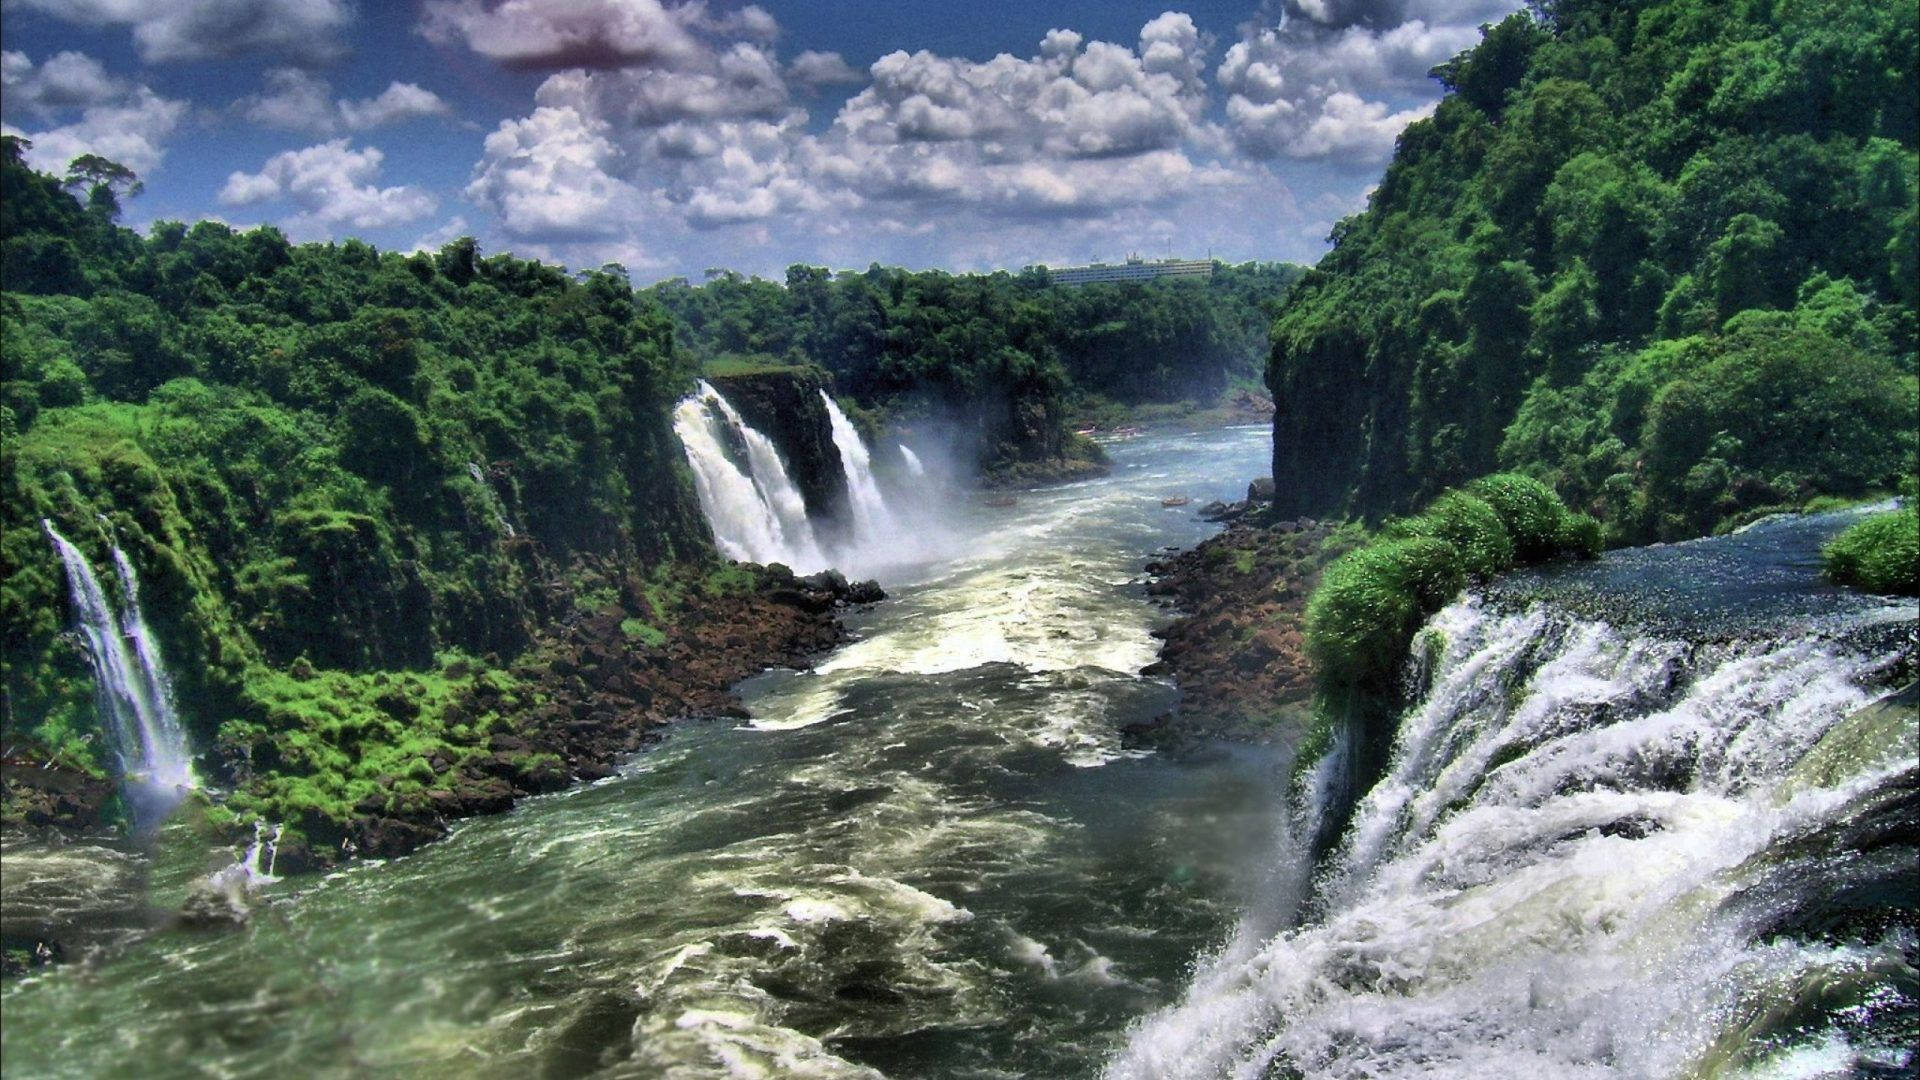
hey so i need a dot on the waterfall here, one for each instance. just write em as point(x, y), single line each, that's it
point(756, 512)
point(871, 521)
point(136, 698)
point(1580, 862)
point(913, 460)
point(493, 498)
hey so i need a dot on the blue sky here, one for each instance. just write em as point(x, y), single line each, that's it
point(672, 136)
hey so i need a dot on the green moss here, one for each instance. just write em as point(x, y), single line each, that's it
point(730, 580)
point(637, 630)
point(1880, 554)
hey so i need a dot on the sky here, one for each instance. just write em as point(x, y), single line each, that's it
point(678, 136)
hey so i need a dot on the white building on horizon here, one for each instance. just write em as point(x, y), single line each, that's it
point(1134, 269)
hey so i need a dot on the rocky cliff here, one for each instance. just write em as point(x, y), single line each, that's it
point(784, 404)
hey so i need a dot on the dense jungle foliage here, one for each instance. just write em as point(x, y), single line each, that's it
point(1012, 350)
point(342, 474)
point(1659, 255)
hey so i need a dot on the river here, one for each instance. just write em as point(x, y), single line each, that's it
point(932, 856)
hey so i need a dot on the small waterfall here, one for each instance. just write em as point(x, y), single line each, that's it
point(493, 498)
point(756, 512)
point(136, 698)
point(1579, 863)
point(871, 520)
point(913, 460)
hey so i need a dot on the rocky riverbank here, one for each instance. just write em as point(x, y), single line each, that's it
point(1236, 650)
point(589, 693)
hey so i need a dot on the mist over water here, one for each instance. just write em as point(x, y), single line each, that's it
point(931, 857)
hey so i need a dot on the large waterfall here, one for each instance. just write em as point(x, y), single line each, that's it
point(1595, 852)
point(871, 521)
point(756, 512)
point(136, 698)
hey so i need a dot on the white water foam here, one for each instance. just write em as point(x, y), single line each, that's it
point(135, 695)
point(1544, 883)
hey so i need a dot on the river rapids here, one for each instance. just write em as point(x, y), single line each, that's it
point(1635, 824)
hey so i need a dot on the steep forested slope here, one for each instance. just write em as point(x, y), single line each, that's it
point(1660, 255)
point(355, 485)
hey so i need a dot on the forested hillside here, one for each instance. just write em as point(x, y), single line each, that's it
point(1003, 355)
point(331, 466)
point(1659, 255)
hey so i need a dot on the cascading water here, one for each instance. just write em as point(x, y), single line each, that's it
point(136, 697)
point(871, 520)
point(493, 497)
point(756, 512)
point(1598, 852)
point(913, 460)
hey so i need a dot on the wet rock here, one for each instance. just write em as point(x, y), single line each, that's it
point(1236, 652)
point(1261, 490)
point(385, 837)
point(216, 902)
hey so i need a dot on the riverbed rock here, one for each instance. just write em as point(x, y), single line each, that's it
point(1236, 651)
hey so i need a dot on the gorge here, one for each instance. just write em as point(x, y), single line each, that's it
point(1490, 653)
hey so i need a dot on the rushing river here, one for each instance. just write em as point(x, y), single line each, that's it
point(932, 856)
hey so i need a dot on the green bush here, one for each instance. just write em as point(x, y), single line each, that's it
point(1581, 535)
point(1880, 554)
point(1532, 513)
point(1470, 524)
point(1372, 601)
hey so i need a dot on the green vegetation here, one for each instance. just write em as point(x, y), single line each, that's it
point(1372, 601)
point(1880, 554)
point(339, 473)
point(1660, 256)
point(1000, 359)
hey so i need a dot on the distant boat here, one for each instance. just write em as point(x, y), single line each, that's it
point(1001, 500)
point(1175, 500)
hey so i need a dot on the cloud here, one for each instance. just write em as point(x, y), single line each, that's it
point(116, 119)
point(399, 101)
point(332, 185)
point(812, 69)
point(549, 175)
point(306, 31)
point(433, 240)
point(1319, 84)
point(555, 34)
point(66, 80)
point(299, 101)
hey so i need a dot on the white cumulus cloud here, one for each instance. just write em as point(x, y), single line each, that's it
point(103, 114)
point(332, 185)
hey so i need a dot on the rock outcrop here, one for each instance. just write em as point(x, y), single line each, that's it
point(785, 406)
point(1236, 651)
